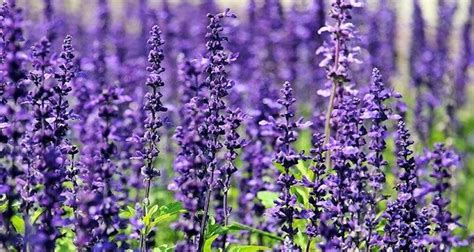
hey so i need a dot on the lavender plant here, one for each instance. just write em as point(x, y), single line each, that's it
point(286, 127)
point(214, 123)
point(81, 137)
point(153, 106)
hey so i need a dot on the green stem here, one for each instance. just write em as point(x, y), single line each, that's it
point(327, 126)
point(226, 220)
point(145, 209)
point(206, 212)
point(308, 245)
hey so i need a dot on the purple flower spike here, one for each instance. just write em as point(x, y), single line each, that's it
point(407, 227)
point(286, 128)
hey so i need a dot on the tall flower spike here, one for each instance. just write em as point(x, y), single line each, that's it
point(406, 226)
point(233, 142)
point(153, 107)
point(50, 160)
point(62, 89)
point(443, 162)
point(347, 184)
point(285, 210)
point(318, 189)
point(338, 54)
point(62, 113)
point(218, 84)
point(378, 113)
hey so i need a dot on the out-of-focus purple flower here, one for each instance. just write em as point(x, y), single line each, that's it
point(428, 67)
point(51, 23)
point(381, 46)
point(465, 60)
point(189, 164)
point(258, 155)
point(446, 11)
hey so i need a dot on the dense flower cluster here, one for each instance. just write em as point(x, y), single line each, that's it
point(285, 155)
point(101, 149)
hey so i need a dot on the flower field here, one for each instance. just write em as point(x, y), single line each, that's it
point(317, 125)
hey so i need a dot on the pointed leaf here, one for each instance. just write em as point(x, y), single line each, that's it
point(247, 248)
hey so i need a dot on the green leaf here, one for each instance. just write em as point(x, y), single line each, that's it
point(36, 215)
point(164, 248)
point(267, 198)
point(279, 166)
point(162, 218)
point(216, 229)
point(66, 242)
point(167, 211)
point(172, 207)
point(300, 238)
point(213, 229)
point(3, 205)
point(208, 243)
point(68, 184)
point(247, 248)
point(302, 194)
point(238, 227)
point(152, 210)
point(303, 170)
point(19, 224)
point(127, 213)
point(304, 140)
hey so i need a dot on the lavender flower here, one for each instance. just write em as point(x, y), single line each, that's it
point(218, 85)
point(406, 227)
point(378, 113)
point(50, 147)
point(61, 105)
point(337, 55)
point(443, 161)
point(318, 188)
point(153, 122)
point(233, 142)
point(348, 182)
point(285, 210)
